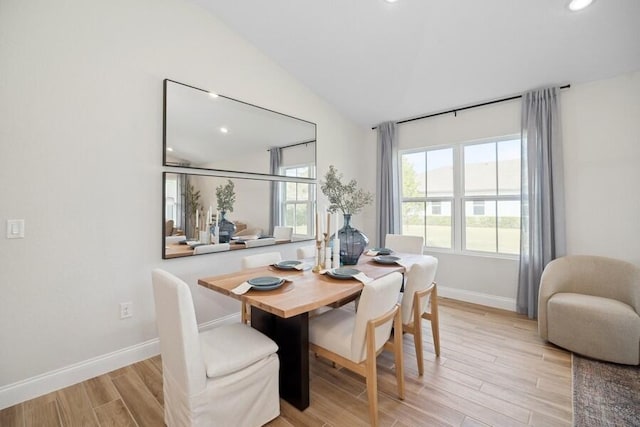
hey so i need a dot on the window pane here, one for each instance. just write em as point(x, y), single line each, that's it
point(290, 191)
point(289, 215)
point(301, 226)
point(480, 169)
point(413, 175)
point(509, 167)
point(290, 172)
point(413, 218)
point(438, 225)
point(303, 191)
point(303, 172)
point(509, 227)
point(480, 230)
point(440, 173)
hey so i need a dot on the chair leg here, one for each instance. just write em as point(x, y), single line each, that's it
point(372, 389)
point(435, 325)
point(417, 339)
point(397, 338)
point(245, 313)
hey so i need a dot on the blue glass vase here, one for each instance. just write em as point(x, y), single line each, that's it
point(352, 242)
point(226, 228)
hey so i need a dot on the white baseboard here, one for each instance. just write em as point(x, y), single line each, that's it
point(33, 387)
point(494, 301)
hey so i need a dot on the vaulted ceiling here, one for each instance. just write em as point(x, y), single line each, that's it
point(375, 61)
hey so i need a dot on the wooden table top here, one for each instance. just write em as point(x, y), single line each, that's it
point(308, 290)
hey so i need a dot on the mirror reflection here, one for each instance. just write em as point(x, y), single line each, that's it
point(211, 131)
point(207, 214)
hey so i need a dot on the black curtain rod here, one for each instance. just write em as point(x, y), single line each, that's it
point(455, 110)
point(295, 145)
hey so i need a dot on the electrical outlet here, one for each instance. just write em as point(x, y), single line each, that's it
point(126, 310)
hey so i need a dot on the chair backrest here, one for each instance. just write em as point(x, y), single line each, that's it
point(306, 252)
point(168, 227)
point(261, 260)
point(406, 244)
point(178, 331)
point(282, 233)
point(377, 298)
point(419, 277)
point(174, 239)
point(260, 242)
point(207, 249)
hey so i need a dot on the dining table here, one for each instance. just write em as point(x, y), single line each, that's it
point(283, 313)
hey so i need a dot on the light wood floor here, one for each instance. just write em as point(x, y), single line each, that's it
point(493, 370)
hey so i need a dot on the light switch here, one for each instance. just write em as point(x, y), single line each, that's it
point(15, 229)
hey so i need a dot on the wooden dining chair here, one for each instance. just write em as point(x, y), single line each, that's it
point(406, 244)
point(227, 375)
point(354, 340)
point(420, 292)
point(253, 261)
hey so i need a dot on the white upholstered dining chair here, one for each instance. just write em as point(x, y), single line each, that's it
point(420, 292)
point(282, 233)
point(260, 242)
point(354, 340)
point(253, 261)
point(174, 239)
point(207, 249)
point(306, 252)
point(406, 244)
point(224, 376)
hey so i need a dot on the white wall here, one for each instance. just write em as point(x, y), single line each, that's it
point(81, 144)
point(601, 138)
point(601, 122)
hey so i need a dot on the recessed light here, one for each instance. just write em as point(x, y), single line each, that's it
point(169, 149)
point(213, 95)
point(224, 130)
point(391, 1)
point(576, 5)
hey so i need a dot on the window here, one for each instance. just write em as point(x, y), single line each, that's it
point(296, 201)
point(464, 197)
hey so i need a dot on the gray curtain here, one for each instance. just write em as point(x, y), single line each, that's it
point(542, 236)
point(275, 159)
point(387, 187)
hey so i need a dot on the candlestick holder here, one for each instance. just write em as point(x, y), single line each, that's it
point(327, 253)
point(318, 266)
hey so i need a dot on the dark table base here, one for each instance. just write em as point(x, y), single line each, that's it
point(292, 337)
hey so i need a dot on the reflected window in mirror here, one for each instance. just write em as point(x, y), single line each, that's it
point(297, 203)
point(192, 211)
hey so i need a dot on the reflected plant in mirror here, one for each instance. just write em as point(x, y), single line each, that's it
point(226, 197)
point(248, 198)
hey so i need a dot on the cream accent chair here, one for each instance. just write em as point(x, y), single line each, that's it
point(406, 244)
point(224, 376)
point(207, 249)
point(253, 261)
point(282, 233)
point(420, 291)
point(590, 305)
point(354, 340)
point(306, 252)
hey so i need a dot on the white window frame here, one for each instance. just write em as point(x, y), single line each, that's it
point(310, 202)
point(458, 201)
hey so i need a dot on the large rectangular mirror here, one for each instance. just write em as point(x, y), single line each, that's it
point(204, 130)
point(265, 212)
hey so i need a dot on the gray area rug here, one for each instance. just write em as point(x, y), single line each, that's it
point(605, 394)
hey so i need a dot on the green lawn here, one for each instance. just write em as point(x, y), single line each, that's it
point(478, 238)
